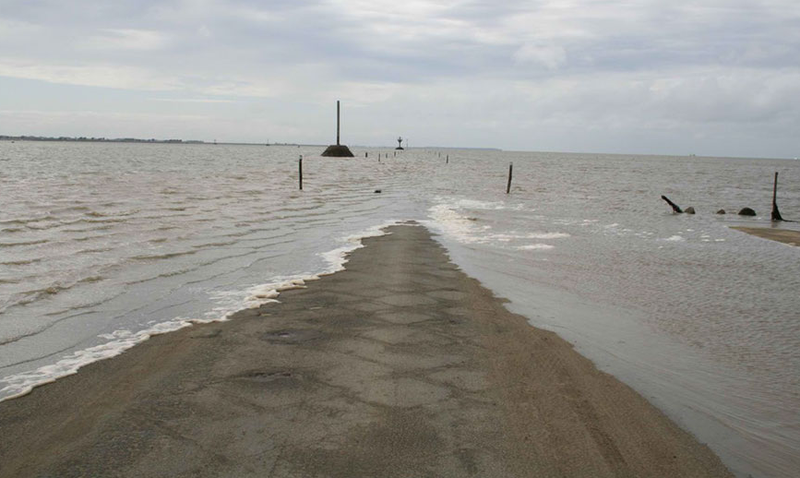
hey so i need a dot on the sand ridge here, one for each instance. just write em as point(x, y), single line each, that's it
point(786, 236)
point(400, 366)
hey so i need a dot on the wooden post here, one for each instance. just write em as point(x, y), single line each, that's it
point(510, 171)
point(337, 122)
point(447, 161)
point(300, 177)
point(674, 206)
point(776, 215)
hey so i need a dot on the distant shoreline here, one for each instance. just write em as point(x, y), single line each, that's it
point(85, 139)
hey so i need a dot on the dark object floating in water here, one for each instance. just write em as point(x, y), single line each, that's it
point(338, 150)
point(721, 211)
point(747, 212)
point(675, 207)
point(689, 210)
point(377, 190)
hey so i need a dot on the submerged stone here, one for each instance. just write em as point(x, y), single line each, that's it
point(747, 212)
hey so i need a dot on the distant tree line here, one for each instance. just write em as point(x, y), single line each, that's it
point(93, 139)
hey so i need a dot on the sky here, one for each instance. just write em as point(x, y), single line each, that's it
point(705, 77)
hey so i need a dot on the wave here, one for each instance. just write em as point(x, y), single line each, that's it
point(168, 255)
point(21, 384)
point(94, 251)
point(27, 297)
point(21, 262)
point(47, 217)
point(24, 243)
point(112, 214)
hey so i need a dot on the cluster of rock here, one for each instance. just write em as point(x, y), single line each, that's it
point(690, 210)
point(746, 211)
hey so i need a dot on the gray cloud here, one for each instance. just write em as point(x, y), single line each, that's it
point(434, 70)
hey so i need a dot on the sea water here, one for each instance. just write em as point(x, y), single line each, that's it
point(105, 244)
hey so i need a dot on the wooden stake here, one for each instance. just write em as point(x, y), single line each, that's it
point(510, 171)
point(776, 215)
point(677, 209)
point(300, 177)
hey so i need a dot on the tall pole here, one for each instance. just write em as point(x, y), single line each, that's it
point(510, 170)
point(300, 175)
point(337, 122)
point(775, 190)
point(776, 214)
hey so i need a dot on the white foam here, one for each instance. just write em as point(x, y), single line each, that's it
point(484, 205)
point(674, 238)
point(230, 302)
point(337, 258)
point(536, 247)
point(547, 235)
point(120, 341)
point(446, 220)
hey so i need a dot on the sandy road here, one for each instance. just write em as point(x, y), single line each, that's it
point(401, 366)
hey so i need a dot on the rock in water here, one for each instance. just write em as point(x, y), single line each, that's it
point(747, 212)
point(689, 210)
point(338, 151)
point(721, 211)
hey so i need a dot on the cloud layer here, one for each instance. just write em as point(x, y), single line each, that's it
point(704, 76)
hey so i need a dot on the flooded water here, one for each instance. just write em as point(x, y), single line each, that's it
point(102, 245)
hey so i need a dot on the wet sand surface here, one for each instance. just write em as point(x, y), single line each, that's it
point(785, 236)
point(400, 366)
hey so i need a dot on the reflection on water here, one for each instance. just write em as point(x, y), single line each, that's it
point(101, 242)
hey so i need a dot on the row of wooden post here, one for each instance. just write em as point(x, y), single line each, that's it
point(508, 187)
point(776, 214)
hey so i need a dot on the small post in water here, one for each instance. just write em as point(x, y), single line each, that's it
point(776, 215)
point(510, 171)
point(300, 177)
point(447, 160)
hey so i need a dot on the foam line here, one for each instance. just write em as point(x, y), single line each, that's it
point(21, 384)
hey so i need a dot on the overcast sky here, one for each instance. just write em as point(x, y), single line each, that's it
point(710, 77)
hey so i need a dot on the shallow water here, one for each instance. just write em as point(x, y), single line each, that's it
point(104, 244)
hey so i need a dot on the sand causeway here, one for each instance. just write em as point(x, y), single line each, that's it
point(367, 372)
